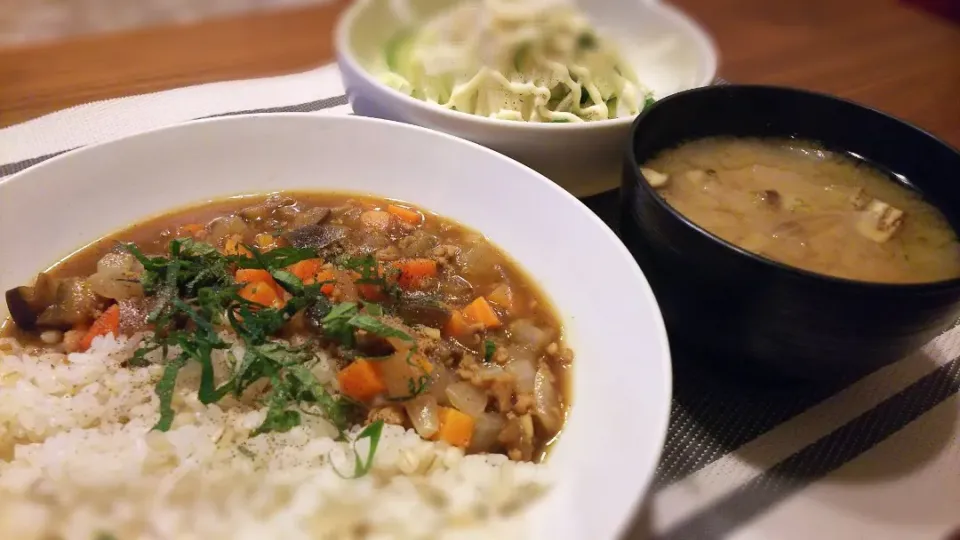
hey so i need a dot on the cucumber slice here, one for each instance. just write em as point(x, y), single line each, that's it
point(603, 74)
point(519, 57)
point(398, 52)
point(612, 107)
point(397, 82)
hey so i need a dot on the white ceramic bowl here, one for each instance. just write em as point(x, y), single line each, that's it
point(668, 50)
point(622, 378)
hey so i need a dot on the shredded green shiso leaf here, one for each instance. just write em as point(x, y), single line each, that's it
point(195, 297)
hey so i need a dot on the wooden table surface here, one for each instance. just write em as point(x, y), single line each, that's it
point(880, 52)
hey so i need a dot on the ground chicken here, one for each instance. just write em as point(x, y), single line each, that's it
point(500, 356)
point(517, 437)
point(497, 383)
point(71, 340)
point(390, 414)
point(445, 255)
point(389, 253)
point(430, 343)
point(502, 391)
point(524, 403)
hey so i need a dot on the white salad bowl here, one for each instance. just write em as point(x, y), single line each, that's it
point(667, 49)
point(607, 453)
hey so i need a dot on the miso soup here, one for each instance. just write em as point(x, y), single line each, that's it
point(799, 204)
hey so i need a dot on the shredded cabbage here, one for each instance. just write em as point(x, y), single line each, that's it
point(525, 60)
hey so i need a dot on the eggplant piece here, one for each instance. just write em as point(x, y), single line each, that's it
point(372, 345)
point(75, 303)
point(21, 309)
point(262, 211)
point(314, 314)
point(27, 303)
point(421, 308)
point(315, 236)
point(311, 216)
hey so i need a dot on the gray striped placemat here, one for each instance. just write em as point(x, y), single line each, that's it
point(875, 458)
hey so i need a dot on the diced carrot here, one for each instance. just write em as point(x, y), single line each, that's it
point(310, 271)
point(422, 362)
point(193, 229)
point(254, 275)
point(389, 271)
point(456, 428)
point(457, 326)
point(360, 380)
point(502, 296)
point(405, 214)
point(260, 292)
point(233, 246)
point(306, 270)
point(265, 241)
point(370, 292)
point(414, 271)
point(251, 275)
point(326, 275)
point(480, 312)
point(107, 323)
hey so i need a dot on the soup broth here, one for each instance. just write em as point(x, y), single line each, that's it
point(799, 204)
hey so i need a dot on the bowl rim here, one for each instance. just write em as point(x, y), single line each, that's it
point(637, 178)
point(659, 427)
point(344, 30)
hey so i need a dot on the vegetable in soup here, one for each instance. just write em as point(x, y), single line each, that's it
point(802, 205)
point(430, 326)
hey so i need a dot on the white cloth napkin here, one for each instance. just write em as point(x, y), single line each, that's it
point(114, 118)
point(878, 459)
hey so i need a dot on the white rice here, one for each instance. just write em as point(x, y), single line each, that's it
point(78, 461)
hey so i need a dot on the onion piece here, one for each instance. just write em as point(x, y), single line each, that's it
point(546, 400)
point(477, 261)
point(489, 372)
point(524, 332)
point(400, 372)
point(424, 415)
point(226, 226)
point(502, 296)
point(467, 398)
point(116, 287)
point(523, 367)
point(117, 277)
point(119, 262)
point(440, 379)
point(418, 243)
point(376, 219)
point(405, 372)
point(486, 432)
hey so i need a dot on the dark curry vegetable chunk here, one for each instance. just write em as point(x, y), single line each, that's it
point(430, 326)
